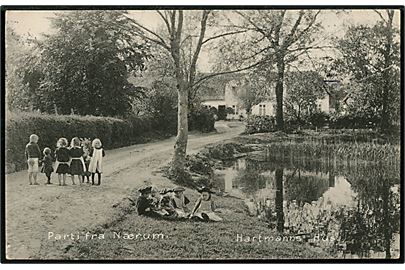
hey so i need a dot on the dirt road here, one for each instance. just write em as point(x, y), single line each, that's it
point(33, 212)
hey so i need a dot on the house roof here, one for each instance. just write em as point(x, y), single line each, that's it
point(214, 88)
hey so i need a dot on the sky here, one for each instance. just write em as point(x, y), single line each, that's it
point(36, 23)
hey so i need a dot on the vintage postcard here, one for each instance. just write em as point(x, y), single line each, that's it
point(202, 133)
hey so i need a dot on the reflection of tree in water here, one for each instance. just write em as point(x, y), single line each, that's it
point(305, 187)
point(250, 181)
point(371, 225)
point(279, 199)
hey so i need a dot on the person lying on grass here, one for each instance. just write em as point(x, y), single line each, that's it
point(204, 208)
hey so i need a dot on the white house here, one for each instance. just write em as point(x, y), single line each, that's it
point(230, 98)
point(233, 88)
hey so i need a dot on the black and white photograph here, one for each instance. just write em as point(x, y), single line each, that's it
point(205, 133)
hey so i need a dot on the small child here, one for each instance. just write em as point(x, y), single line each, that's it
point(204, 208)
point(62, 161)
point(96, 162)
point(47, 164)
point(33, 154)
point(180, 202)
point(144, 203)
point(86, 145)
point(77, 166)
point(162, 203)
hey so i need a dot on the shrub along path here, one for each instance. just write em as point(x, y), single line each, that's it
point(34, 211)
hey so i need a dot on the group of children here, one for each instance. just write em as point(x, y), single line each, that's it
point(80, 159)
point(173, 204)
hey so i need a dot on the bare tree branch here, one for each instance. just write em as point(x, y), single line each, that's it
point(166, 21)
point(227, 72)
point(224, 35)
point(311, 48)
point(199, 45)
point(256, 27)
point(290, 37)
point(309, 26)
point(381, 16)
point(160, 41)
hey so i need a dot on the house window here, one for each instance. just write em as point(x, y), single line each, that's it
point(262, 109)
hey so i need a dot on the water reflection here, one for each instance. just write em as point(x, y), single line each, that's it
point(351, 212)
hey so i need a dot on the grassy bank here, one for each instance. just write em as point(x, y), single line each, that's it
point(189, 239)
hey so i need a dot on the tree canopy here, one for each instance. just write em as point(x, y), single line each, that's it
point(85, 64)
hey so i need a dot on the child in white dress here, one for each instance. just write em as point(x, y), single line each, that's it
point(96, 161)
point(204, 208)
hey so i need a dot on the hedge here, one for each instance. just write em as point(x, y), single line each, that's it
point(202, 120)
point(259, 124)
point(112, 132)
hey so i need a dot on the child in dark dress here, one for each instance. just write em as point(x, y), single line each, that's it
point(47, 164)
point(144, 203)
point(86, 145)
point(77, 166)
point(62, 161)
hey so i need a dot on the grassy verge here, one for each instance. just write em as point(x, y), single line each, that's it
point(190, 239)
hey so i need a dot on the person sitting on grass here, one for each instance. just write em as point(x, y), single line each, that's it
point(144, 203)
point(180, 202)
point(204, 208)
point(162, 203)
point(33, 154)
point(47, 165)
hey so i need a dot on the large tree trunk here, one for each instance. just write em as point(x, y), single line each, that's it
point(180, 146)
point(279, 93)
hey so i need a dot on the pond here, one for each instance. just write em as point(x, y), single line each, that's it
point(351, 211)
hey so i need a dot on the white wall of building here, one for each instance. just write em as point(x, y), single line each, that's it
point(323, 104)
point(264, 108)
point(213, 103)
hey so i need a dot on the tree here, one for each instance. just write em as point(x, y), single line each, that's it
point(86, 63)
point(183, 37)
point(18, 90)
point(277, 38)
point(370, 58)
point(303, 90)
point(257, 89)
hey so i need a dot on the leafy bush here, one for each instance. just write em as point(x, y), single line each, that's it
point(318, 119)
point(202, 120)
point(354, 121)
point(259, 124)
point(112, 132)
point(222, 114)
